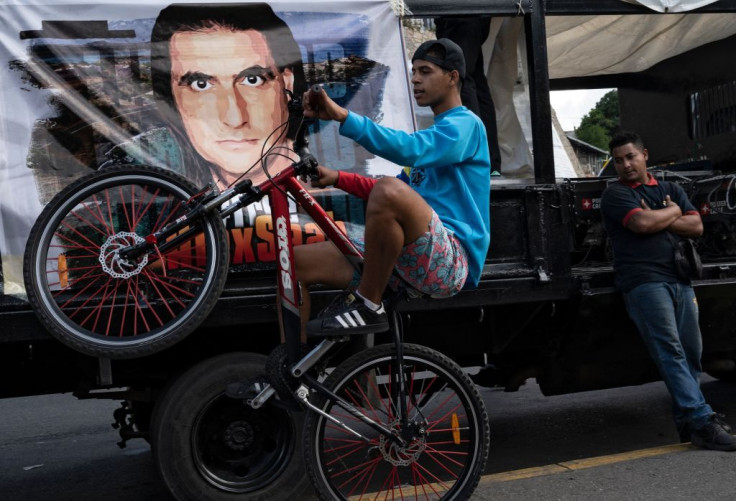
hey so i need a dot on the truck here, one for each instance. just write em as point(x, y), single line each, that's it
point(546, 307)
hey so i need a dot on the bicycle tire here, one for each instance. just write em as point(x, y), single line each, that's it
point(99, 305)
point(450, 433)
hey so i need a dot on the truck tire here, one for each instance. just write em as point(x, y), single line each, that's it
point(209, 446)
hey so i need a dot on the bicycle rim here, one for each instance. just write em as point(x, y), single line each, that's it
point(446, 441)
point(103, 305)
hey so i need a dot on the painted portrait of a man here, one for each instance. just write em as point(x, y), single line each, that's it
point(222, 77)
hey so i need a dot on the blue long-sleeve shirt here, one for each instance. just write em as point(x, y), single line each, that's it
point(449, 167)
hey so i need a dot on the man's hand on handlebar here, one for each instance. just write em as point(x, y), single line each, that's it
point(317, 104)
point(325, 177)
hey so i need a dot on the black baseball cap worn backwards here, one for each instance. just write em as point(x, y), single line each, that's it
point(453, 60)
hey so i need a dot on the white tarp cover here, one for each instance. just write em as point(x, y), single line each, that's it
point(579, 46)
point(673, 5)
point(505, 54)
point(77, 96)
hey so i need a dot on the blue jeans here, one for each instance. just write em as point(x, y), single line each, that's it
point(666, 315)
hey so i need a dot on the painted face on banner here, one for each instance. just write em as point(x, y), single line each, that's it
point(230, 95)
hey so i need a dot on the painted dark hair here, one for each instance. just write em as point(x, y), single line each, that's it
point(626, 137)
point(179, 18)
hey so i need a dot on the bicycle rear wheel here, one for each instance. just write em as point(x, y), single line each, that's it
point(447, 439)
point(99, 304)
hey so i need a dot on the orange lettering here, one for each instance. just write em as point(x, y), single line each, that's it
point(264, 230)
point(243, 249)
point(313, 233)
point(296, 234)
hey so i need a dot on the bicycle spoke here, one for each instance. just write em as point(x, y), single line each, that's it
point(178, 209)
point(96, 308)
point(387, 407)
point(125, 210)
point(95, 210)
point(422, 404)
point(425, 482)
point(82, 292)
point(436, 479)
point(92, 244)
point(445, 455)
point(97, 312)
point(152, 279)
point(171, 288)
point(137, 218)
point(365, 480)
point(90, 224)
point(181, 264)
point(450, 412)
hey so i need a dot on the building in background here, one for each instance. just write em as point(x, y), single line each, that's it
point(590, 158)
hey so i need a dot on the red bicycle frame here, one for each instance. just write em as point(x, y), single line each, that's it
point(278, 188)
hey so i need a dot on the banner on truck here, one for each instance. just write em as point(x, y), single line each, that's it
point(197, 88)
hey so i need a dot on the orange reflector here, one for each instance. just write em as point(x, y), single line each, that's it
point(63, 272)
point(455, 429)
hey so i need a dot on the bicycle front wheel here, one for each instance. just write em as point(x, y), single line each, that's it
point(98, 303)
point(446, 430)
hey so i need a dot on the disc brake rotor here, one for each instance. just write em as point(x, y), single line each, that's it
point(110, 259)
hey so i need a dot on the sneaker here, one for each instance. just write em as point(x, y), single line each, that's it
point(348, 315)
point(685, 431)
point(714, 436)
point(719, 418)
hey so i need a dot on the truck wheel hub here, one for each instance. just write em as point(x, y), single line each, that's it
point(239, 435)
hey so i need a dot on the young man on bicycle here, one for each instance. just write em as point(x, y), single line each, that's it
point(431, 223)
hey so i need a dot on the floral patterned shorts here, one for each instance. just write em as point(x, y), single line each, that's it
point(435, 263)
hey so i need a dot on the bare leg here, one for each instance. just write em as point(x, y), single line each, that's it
point(320, 263)
point(396, 215)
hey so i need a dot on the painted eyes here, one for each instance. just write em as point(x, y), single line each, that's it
point(255, 76)
point(253, 80)
point(203, 84)
point(200, 84)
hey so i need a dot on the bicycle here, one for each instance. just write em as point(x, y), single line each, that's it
point(129, 260)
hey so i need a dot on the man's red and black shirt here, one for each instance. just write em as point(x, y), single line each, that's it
point(641, 258)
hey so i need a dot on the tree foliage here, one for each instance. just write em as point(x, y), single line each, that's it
point(599, 125)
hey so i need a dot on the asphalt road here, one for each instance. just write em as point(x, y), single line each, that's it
point(607, 445)
point(617, 444)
